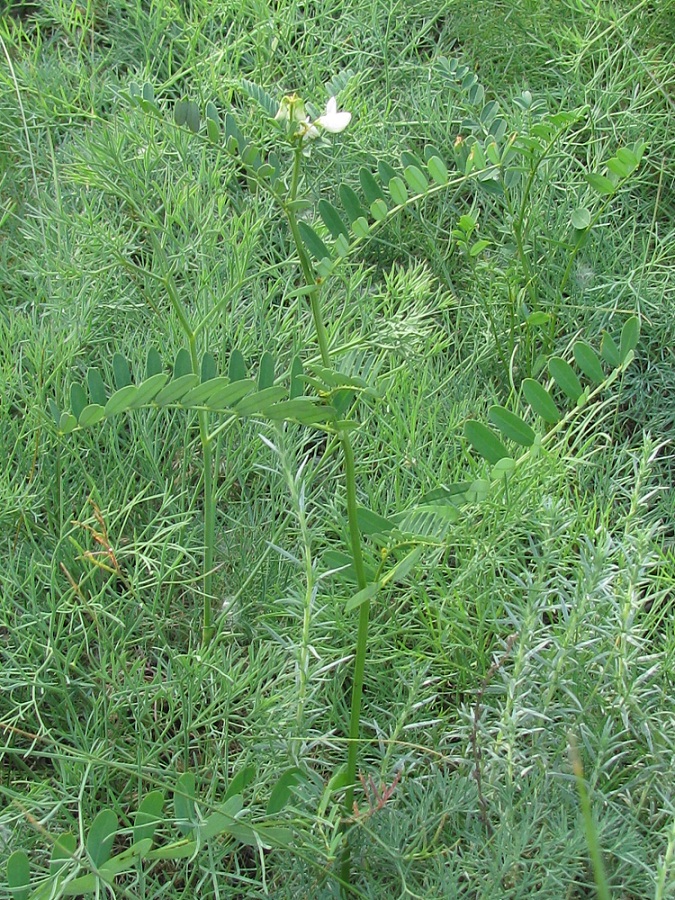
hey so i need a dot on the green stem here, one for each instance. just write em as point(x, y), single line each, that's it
point(575, 250)
point(207, 461)
point(361, 645)
point(305, 264)
point(352, 506)
point(519, 224)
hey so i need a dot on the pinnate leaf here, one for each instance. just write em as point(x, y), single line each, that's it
point(313, 242)
point(609, 351)
point(362, 596)
point(332, 219)
point(630, 334)
point(101, 836)
point(565, 377)
point(511, 426)
point(18, 875)
point(148, 817)
point(261, 97)
point(121, 400)
point(371, 189)
point(600, 183)
point(97, 390)
point(484, 441)
point(588, 361)
point(438, 170)
point(398, 191)
point(540, 400)
point(282, 790)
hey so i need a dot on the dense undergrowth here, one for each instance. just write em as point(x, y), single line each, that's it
point(543, 618)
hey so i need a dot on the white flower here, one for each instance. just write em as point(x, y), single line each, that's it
point(310, 131)
point(332, 120)
point(292, 112)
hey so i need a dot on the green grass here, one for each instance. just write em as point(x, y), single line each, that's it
point(106, 693)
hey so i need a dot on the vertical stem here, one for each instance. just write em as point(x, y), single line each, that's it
point(209, 528)
point(209, 510)
point(361, 643)
point(207, 462)
point(305, 264)
point(354, 532)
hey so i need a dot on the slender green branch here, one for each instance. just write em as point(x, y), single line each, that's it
point(364, 614)
point(352, 506)
point(207, 459)
point(519, 224)
point(305, 264)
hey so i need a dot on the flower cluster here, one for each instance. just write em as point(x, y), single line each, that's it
point(293, 115)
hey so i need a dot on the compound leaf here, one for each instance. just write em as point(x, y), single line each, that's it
point(121, 371)
point(101, 836)
point(121, 400)
point(511, 426)
point(332, 219)
point(148, 816)
point(78, 399)
point(18, 875)
point(313, 242)
point(565, 377)
point(609, 351)
point(540, 400)
point(97, 390)
point(282, 790)
point(630, 334)
point(588, 361)
point(484, 441)
point(184, 803)
point(351, 203)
